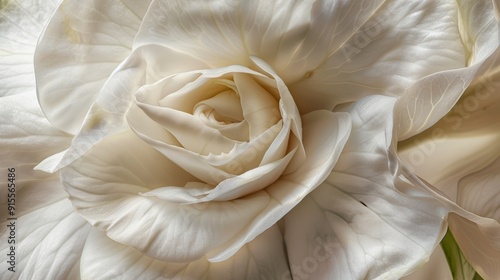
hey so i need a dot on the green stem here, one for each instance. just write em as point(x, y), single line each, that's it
point(459, 266)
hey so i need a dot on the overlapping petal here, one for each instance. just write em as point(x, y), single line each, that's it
point(458, 155)
point(106, 116)
point(178, 232)
point(365, 220)
point(429, 99)
point(26, 137)
point(263, 258)
point(80, 48)
point(329, 52)
point(48, 233)
point(21, 23)
point(49, 240)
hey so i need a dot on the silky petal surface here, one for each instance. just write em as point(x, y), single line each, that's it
point(465, 140)
point(386, 46)
point(49, 240)
point(262, 258)
point(364, 221)
point(81, 46)
point(457, 156)
point(353, 55)
point(427, 100)
point(436, 268)
point(21, 23)
point(478, 237)
point(479, 194)
point(26, 137)
point(174, 232)
point(107, 114)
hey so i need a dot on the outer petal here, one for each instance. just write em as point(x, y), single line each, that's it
point(180, 233)
point(82, 45)
point(466, 142)
point(49, 240)
point(389, 46)
point(331, 51)
point(48, 233)
point(480, 33)
point(262, 258)
point(21, 22)
point(478, 237)
point(436, 268)
point(364, 221)
point(480, 242)
point(107, 114)
point(26, 137)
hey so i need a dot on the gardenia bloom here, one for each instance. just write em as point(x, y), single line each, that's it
point(228, 139)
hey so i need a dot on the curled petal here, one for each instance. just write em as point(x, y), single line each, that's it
point(79, 49)
point(107, 114)
point(151, 225)
point(364, 212)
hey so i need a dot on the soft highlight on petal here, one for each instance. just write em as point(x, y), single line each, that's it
point(262, 258)
point(365, 213)
point(80, 48)
point(21, 23)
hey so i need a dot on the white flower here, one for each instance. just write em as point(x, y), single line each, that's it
point(230, 139)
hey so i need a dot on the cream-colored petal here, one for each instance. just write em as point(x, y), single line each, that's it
point(21, 23)
point(173, 232)
point(263, 258)
point(364, 221)
point(49, 241)
point(107, 114)
point(80, 48)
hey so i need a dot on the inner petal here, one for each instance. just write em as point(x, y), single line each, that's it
point(221, 109)
point(260, 108)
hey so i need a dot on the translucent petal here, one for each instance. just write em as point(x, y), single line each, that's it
point(107, 114)
point(26, 137)
point(427, 100)
point(173, 232)
point(364, 221)
point(49, 240)
point(81, 46)
point(21, 23)
point(262, 258)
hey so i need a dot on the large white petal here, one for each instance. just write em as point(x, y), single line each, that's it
point(465, 140)
point(49, 240)
point(391, 47)
point(478, 237)
point(364, 221)
point(479, 194)
point(329, 51)
point(49, 234)
point(436, 268)
point(21, 22)
point(26, 137)
point(79, 49)
point(263, 258)
point(174, 232)
point(427, 100)
point(282, 33)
